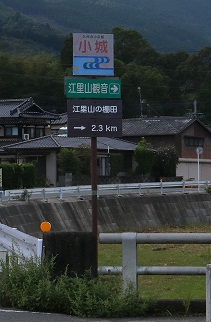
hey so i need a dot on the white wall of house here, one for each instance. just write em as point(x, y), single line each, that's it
point(188, 169)
point(51, 168)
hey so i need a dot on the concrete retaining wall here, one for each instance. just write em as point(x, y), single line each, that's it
point(124, 213)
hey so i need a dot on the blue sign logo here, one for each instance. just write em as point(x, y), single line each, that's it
point(92, 66)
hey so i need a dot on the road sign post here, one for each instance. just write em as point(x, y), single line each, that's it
point(93, 55)
point(94, 184)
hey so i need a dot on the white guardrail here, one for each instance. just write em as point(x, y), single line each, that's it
point(129, 269)
point(13, 241)
point(105, 189)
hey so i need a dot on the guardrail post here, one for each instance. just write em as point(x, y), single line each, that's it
point(208, 293)
point(39, 248)
point(43, 192)
point(129, 261)
point(61, 194)
point(161, 187)
point(183, 185)
point(140, 193)
point(206, 185)
point(118, 190)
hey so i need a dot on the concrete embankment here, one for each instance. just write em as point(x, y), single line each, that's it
point(114, 213)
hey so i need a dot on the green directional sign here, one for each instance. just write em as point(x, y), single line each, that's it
point(92, 88)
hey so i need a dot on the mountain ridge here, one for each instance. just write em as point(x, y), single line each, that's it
point(168, 26)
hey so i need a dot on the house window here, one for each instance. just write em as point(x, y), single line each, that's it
point(39, 132)
point(34, 132)
point(193, 141)
point(11, 131)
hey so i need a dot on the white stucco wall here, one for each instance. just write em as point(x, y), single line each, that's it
point(51, 168)
point(188, 168)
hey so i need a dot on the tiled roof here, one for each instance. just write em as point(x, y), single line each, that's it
point(155, 126)
point(7, 141)
point(16, 108)
point(102, 143)
point(61, 120)
point(56, 142)
point(45, 142)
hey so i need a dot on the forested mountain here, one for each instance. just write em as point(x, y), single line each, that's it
point(42, 24)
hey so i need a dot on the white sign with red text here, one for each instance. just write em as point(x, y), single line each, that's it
point(93, 54)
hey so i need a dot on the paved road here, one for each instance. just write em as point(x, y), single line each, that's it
point(25, 316)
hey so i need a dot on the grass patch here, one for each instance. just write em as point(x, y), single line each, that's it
point(166, 286)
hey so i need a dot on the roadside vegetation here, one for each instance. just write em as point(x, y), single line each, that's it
point(30, 284)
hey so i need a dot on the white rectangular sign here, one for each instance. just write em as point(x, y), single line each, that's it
point(93, 54)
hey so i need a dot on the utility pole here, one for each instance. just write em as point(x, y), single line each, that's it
point(140, 100)
point(195, 109)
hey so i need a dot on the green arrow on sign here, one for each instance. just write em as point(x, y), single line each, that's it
point(92, 88)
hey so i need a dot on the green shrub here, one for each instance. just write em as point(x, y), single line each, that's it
point(28, 175)
point(68, 161)
point(144, 156)
point(116, 163)
point(166, 160)
point(16, 176)
point(8, 176)
point(208, 189)
point(30, 286)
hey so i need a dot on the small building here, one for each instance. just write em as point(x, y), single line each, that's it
point(45, 149)
point(23, 119)
point(186, 134)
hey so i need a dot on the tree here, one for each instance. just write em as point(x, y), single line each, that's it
point(169, 64)
point(44, 76)
point(131, 46)
point(67, 52)
point(144, 156)
point(119, 68)
point(68, 161)
point(166, 160)
point(154, 84)
point(84, 153)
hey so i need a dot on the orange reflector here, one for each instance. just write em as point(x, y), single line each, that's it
point(45, 226)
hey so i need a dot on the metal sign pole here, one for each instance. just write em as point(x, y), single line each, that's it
point(94, 191)
point(199, 150)
point(94, 184)
point(198, 171)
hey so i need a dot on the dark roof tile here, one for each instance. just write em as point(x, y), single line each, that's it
point(56, 142)
point(16, 108)
point(62, 119)
point(155, 126)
